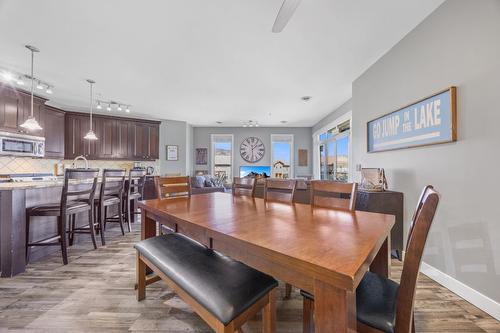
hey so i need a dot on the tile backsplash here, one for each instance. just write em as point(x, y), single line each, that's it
point(12, 164)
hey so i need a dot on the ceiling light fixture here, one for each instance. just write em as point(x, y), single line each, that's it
point(251, 123)
point(49, 90)
point(99, 106)
point(20, 82)
point(119, 107)
point(90, 134)
point(31, 123)
point(109, 107)
point(306, 98)
point(127, 109)
point(39, 85)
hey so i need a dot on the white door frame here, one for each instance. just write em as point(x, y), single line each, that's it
point(292, 149)
point(315, 137)
point(212, 154)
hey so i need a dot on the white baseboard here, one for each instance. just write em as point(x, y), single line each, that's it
point(474, 297)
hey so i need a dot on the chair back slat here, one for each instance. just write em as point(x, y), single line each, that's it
point(422, 221)
point(332, 194)
point(172, 187)
point(279, 190)
point(86, 183)
point(244, 186)
point(112, 183)
point(136, 181)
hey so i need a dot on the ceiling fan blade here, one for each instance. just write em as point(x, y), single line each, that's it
point(286, 11)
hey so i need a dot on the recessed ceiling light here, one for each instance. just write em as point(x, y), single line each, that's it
point(219, 122)
point(306, 98)
point(283, 121)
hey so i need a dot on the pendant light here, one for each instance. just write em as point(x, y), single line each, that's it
point(31, 123)
point(90, 134)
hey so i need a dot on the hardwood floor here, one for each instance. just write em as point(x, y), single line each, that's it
point(94, 293)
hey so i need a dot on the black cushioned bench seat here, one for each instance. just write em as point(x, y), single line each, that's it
point(223, 286)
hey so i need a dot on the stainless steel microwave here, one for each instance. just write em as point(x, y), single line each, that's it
point(21, 145)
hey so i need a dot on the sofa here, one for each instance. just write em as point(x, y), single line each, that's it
point(205, 184)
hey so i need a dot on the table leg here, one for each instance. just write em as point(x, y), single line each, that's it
point(381, 264)
point(334, 309)
point(148, 226)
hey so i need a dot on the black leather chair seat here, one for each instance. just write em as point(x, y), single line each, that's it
point(376, 298)
point(225, 287)
point(108, 200)
point(54, 209)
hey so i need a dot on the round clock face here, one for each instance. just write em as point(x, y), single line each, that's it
point(252, 149)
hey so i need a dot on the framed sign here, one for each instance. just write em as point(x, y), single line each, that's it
point(429, 121)
point(172, 153)
point(201, 156)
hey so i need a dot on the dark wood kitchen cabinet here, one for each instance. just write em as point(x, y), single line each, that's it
point(118, 138)
point(52, 120)
point(11, 106)
point(145, 139)
point(76, 126)
point(15, 108)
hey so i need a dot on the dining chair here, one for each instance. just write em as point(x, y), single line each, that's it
point(333, 194)
point(172, 187)
point(383, 305)
point(134, 190)
point(111, 194)
point(281, 190)
point(72, 202)
point(244, 186)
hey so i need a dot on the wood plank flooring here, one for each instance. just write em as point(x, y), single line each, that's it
point(95, 293)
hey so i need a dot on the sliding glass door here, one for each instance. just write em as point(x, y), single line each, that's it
point(333, 150)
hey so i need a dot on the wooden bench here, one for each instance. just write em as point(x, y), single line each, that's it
point(222, 291)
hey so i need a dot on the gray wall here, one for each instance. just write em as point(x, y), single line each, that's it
point(458, 44)
point(302, 140)
point(337, 113)
point(174, 133)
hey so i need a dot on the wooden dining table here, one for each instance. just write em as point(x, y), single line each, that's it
point(325, 252)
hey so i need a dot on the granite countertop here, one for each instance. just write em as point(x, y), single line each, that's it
point(39, 184)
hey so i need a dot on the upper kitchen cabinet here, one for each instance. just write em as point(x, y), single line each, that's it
point(15, 108)
point(118, 138)
point(53, 126)
point(11, 106)
point(145, 140)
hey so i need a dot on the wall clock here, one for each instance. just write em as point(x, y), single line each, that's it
point(252, 149)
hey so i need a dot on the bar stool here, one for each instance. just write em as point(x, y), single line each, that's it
point(110, 194)
point(82, 203)
point(134, 190)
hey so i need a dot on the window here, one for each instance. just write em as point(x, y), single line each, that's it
point(282, 156)
point(222, 157)
point(332, 151)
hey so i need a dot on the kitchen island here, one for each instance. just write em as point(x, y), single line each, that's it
point(15, 198)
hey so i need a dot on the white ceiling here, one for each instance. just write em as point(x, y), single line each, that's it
point(205, 61)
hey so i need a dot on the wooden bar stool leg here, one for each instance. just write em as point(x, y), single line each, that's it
point(120, 218)
point(28, 220)
point(269, 314)
point(102, 222)
point(71, 231)
point(62, 233)
point(127, 214)
point(92, 227)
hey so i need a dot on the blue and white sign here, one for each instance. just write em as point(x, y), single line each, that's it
point(426, 122)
